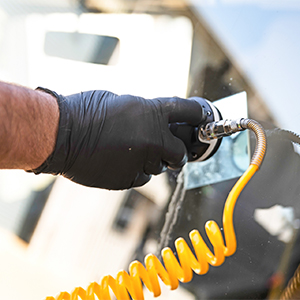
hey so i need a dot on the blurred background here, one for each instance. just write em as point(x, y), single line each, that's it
point(56, 235)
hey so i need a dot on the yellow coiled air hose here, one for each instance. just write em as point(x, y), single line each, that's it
point(173, 271)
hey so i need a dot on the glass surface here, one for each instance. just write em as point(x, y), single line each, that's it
point(56, 235)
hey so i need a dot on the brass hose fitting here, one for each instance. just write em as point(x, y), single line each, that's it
point(261, 144)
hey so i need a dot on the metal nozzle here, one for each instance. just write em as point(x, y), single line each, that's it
point(219, 129)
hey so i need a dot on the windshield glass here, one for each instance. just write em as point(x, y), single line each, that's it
point(56, 235)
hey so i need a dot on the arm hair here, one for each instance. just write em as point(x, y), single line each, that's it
point(28, 126)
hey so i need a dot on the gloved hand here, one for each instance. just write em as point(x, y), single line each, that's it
point(117, 142)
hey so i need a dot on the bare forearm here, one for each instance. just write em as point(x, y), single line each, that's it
point(28, 127)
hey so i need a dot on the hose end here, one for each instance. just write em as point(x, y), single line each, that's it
point(219, 129)
point(222, 128)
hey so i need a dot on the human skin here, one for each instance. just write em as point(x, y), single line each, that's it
point(28, 126)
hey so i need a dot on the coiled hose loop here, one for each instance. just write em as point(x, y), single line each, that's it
point(182, 269)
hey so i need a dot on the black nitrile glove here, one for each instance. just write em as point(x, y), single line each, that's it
point(117, 142)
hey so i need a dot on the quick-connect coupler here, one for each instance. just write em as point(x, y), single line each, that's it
point(222, 128)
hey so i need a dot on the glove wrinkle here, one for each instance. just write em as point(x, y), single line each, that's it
point(67, 139)
point(154, 152)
